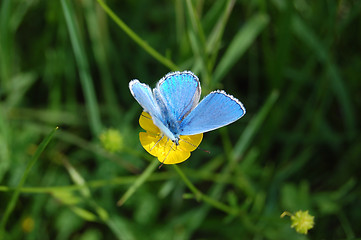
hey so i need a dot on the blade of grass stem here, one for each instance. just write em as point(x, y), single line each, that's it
point(91, 184)
point(199, 61)
point(179, 19)
point(240, 43)
point(245, 140)
point(85, 191)
point(98, 32)
point(143, 44)
point(214, 39)
point(346, 225)
point(77, 178)
point(5, 42)
point(95, 148)
point(85, 76)
point(195, 23)
point(338, 86)
point(11, 205)
point(202, 197)
point(5, 140)
point(120, 228)
point(19, 13)
point(139, 182)
point(126, 180)
point(197, 40)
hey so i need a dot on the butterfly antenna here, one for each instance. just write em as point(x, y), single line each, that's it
point(204, 150)
point(145, 116)
point(171, 147)
point(156, 143)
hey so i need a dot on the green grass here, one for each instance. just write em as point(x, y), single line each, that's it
point(294, 64)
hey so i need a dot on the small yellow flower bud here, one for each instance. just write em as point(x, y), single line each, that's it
point(302, 221)
point(27, 224)
point(111, 140)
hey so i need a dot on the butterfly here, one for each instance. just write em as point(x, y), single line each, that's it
point(174, 107)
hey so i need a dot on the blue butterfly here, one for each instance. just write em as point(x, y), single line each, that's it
point(175, 108)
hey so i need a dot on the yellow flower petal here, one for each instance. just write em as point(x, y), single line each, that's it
point(149, 141)
point(190, 142)
point(146, 122)
point(167, 152)
point(302, 221)
point(175, 156)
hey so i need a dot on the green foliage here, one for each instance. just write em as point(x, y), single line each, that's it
point(294, 64)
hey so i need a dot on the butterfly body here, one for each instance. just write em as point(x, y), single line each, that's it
point(175, 108)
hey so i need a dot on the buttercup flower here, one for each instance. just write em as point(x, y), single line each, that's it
point(157, 144)
point(302, 221)
point(111, 140)
point(28, 224)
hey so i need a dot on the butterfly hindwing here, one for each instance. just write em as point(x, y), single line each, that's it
point(216, 110)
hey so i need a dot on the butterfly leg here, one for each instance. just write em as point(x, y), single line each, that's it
point(207, 151)
point(157, 142)
point(170, 149)
point(145, 116)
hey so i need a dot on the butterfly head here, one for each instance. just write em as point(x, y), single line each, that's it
point(176, 141)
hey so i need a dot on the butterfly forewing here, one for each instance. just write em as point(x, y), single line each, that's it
point(144, 96)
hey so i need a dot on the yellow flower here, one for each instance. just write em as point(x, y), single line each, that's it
point(302, 221)
point(157, 144)
point(111, 140)
point(28, 224)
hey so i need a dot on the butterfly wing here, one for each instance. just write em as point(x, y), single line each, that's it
point(144, 96)
point(216, 110)
point(180, 92)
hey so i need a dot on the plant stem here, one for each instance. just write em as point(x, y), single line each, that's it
point(11, 205)
point(165, 61)
point(202, 197)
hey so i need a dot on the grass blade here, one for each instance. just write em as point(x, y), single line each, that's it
point(140, 180)
point(99, 35)
point(202, 197)
point(195, 23)
point(11, 205)
point(143, 44)
point(215, 38)
point(5, 42)
point(240, 43)
point(245, 140)
point(338, 85)
point(85, 76)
